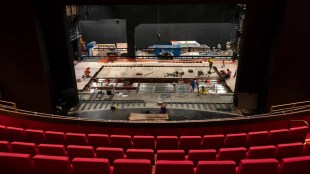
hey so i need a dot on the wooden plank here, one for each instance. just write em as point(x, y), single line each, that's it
point(148, 117)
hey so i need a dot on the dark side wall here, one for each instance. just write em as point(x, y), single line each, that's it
point(290, 77)
point(210, 34)
point(207, 24)
point(24, 71)
point(36, 61)
point(107, 32)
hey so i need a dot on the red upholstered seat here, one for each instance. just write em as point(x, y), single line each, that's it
point(52, 149)
point(15, 134)
point(306, 150)
point(258, 166)
point(143, 142)
point(91, 166)
point(201, 155)
point(289, 150)
point(74, 151)
point(177, 167)
point(45, 164)
point(298, 134)
point(235, 154)
point(141, 154)
point(257, 138)
point(76, 139)
point(22, 147)
point(279, 136)
point(15, 163)
point(260, 152)
point(99, 140)
point(189, 142)
point(167, 142)
point(213, 141)
point(170, 155)
point(123, 141)
point(110, 153)
point(132, 166)
point(5, 146)
point(235, 140)
point(215, 167)
point(294, 165)
point(55, 137)
point(34, 136)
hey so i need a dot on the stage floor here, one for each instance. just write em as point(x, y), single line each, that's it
point(148, 94)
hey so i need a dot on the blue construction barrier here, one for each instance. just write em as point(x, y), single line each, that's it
point(161, 49)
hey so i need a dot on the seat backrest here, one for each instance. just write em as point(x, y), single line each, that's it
point(169, 167)
point(298, 165)
point(257, 138)
point(140, 154)
point(22, 147)
point(260, 152)
point(170, 155)
point(45, 164)
point(216, 167)
point(74, 151)
point(235, 154)
point(298, 134)
point(15, 163)
point(99, 140)
point(132, 166)
point(290, 150)
point(5, 146)
point(34, 136)
point(110, 153)
point(15, 134)
point(235, 140)
point(123, 141)
point(143, 142)
point(201, 155)
point(213, 141)
point(189, 142)
point(2, 133)
point(76, 139)
point(167, 142)
point(55, 137)
point(52, 149)
point(279, 136)
point(258, 166)
point(91, 165)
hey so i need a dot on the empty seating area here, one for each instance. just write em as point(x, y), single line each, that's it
point(186, 143)
point(45, 164)
point(42, 151)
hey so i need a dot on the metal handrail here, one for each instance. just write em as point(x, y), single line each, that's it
point(10, 105)
point(303, 121)
point(289, 106)
point(9, 108)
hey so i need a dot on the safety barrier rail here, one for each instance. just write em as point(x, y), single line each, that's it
point(8, 105)
point(290, 107)
point(295, 108)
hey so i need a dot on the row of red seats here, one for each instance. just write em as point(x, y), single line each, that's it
point(43, 164)
point(236, 154)
point(272, 137)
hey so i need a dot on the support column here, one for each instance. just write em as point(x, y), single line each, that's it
point(130, 31)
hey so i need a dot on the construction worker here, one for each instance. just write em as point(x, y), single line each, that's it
point(86, 72)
